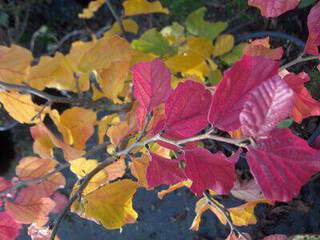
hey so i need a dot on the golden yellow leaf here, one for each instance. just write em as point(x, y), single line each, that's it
point(14, 64)
point(91, 9)
point(129, 25)
point(111, 205)
point(223, 44)
point(136, 7)
point(105, 123)
point(112, 79)
point(54, 72)
point(76, 125)
point(20, 107)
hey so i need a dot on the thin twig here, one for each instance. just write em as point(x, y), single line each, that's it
point(225, 213)
point(115, 15)
point(299, 59)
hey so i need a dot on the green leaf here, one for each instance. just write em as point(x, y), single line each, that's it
point(152, 41)
point(285, 123)
point(196, 25)
point(306, 3)
point(235, 55)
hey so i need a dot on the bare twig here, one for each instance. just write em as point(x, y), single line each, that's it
point(299, 59)
point(115, 15)
point(225, 213)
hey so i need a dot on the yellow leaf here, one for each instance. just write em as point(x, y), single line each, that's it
point(20, 107)
point(76, 125)
point(111, 205)
point(223, 44)
point(112, 79)
point(54, 72)
point(129, 25)
point(105, 123)
point(244, 214)
point(14, 63)
point(136, 7)
point(91, 9)
point(200, 45)
point(174, 187)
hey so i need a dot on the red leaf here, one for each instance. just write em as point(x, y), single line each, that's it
point(4, 185)
point(187, 109)
point(281, 164)
point(209, 171)
point(269, 104)
point(304, 104)
point(314, 31)
point(9, 228)
point(151, 81)
point(60, 202)
point(233, 90)
point(274, 8)
point(163, 171)
point(29, 207)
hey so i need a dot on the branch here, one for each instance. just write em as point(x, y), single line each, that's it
point(225, 213)
point(115, 15)
point(299, 59)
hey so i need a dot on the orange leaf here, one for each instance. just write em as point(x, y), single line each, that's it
point(29, 208)
point(138, 168)
point(30, 168)
point(44, 141)
point(261, 47)
point(174, 187)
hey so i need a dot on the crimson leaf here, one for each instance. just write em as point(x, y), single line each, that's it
point(281, 164)
point(274, 8)
point(235, 87)
point(269, 104)
point(314, 30)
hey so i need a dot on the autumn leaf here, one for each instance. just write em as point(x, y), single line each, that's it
point(304, 104)
point(14, 64)
point(45, 141)
point(111, 205)
point(14, 102)
point(9, 228)
point(261, 47)
point(138, 167)
point(243, 215)
point(235, 54)
point(174, 33)
point(274, 8)
point(76, 125)
point(91, 9)
point(31, 168)
point(223, 45)
point(280, 155)
point(209, 171)
point(40, 232)
point(174, 187)
point(313, 41)
point(276, 237)
point(129, 25)
point(137, 7)
point(267, 106)
point(29, 207)
point(247, 190)
point(186, 109)
point(196, 25)
point(163, 171)
point(105, 123)
point(235, 87)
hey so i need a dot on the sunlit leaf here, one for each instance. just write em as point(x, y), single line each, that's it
point(274, 8)
point(137, 7)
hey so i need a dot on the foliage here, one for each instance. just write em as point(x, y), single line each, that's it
point(149, 105)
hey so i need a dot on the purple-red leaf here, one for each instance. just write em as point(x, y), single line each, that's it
point(281, 164)
point(274, 8)
point(209, 171)
point(187, 109)
point(233, 91)
point(314, 31)
point(151, 82)
point(9, 228)
point(163, 171)
point(268, 105)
